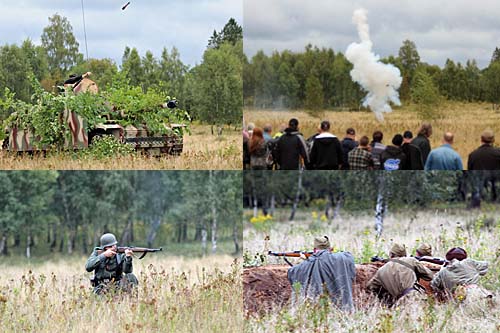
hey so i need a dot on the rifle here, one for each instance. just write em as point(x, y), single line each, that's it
point(293, 254)
point(432, 260)
point(143, 250)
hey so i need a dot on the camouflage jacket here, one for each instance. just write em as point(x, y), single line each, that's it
point(395, 278)
point(108, 268)
point(457, 273)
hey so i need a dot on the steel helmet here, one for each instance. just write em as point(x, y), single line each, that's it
point(108, 240)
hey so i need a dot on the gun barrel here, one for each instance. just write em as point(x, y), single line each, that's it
point(294, 254)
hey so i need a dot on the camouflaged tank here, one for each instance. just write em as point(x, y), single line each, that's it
point(138, 136)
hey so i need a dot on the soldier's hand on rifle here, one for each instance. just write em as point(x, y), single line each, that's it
point(303, 256)
point(86, 74)
point(128, 252)
point(109, 253)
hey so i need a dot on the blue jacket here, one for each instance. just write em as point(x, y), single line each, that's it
point(443, 158)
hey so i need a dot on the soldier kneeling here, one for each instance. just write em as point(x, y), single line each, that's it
point(112, 270)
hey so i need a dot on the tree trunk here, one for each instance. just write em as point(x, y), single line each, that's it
point(153, 230)
point(214, 212)
point(127, 232)
point(255, 201)
point(297, 196)
point(53, 244)
point(71, 240)
point(3, 245)
point(273, 204)
point(235, 239)
point(28, 246)
point(204, 241)
point(380, 206)
point(338, 205)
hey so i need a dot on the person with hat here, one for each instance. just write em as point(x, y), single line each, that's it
point(458, 279)
point(486, 157)
point(325, 272)
point(397, 280)
point(111, 269)
point(424, 250)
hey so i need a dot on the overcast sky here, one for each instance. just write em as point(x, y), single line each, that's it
point(145, 24)
point(456, 29)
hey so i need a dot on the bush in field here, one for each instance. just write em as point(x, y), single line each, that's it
point(107, 146)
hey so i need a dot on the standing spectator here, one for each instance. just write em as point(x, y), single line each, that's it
point(377, 148)
point(422, 140)
point(360, 157)
point(486, 157)
point(258, 150)
point(393, 158)
point(246, 154)
point(268, 129)
point(290, 147)
point(348, 144)
point(444, 157)
point(412, 152)
point(326, 152)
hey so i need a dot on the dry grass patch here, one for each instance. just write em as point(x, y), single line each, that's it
point(174, 295)
point(202, 151)
point(466, 120)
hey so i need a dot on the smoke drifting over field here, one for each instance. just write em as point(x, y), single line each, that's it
point(380, 80)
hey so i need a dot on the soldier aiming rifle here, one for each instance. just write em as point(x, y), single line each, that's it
point(112, 265)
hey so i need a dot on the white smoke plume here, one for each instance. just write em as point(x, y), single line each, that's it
point(380, 80)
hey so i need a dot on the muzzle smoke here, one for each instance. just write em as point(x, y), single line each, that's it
point(380, 80)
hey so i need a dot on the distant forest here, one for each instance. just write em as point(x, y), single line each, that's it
point(44, 212)
point(319, 79)
point(210, 91)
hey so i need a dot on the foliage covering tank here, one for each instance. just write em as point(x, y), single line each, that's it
point(80, 116)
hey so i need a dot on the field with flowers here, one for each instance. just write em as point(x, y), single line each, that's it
point(478, 231)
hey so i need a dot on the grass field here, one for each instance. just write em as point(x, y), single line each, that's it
point(465, 120)
point(477, 231)
point(202, 150)
point(174, 295)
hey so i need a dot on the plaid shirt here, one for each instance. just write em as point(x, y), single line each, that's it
point(360, 159)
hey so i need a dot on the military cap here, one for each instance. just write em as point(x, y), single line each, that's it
point(397, 250)
point(456, 253)
point(425, 250)
point(322, 243)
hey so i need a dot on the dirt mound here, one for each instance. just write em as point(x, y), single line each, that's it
point(267, 288)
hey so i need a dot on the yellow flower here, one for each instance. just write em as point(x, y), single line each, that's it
point(323, 218)
point(314, 215)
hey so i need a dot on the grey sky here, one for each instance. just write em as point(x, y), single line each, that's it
point(145, 24)
point(456, 29)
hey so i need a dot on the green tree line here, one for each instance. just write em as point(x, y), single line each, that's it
point(359, 190)
point(319, 79)
point(67, 212)
point(210, 91)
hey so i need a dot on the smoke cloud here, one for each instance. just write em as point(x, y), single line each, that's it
point(380, 80)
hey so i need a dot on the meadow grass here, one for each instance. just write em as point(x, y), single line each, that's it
point(202, 151)
point(478, 231)
point(465, 120)
point(175, 294)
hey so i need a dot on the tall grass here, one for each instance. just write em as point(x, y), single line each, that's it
point(465, 120)
point(202, 150)
point(477, 231)
point(174, 295)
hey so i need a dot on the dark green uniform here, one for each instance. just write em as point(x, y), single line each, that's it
point(110, 272)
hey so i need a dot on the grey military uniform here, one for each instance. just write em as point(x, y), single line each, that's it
point(116, 270)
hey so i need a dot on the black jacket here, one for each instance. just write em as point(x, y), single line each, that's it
point(393, 158)
point(326, 152)
point(413, 156)
point(289, 148)
point(422, 142)
point(348, 144)
point(486, 157)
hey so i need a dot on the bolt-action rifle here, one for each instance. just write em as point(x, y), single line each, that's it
point(143, 250)
point(293, 254)
point(432, 260)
